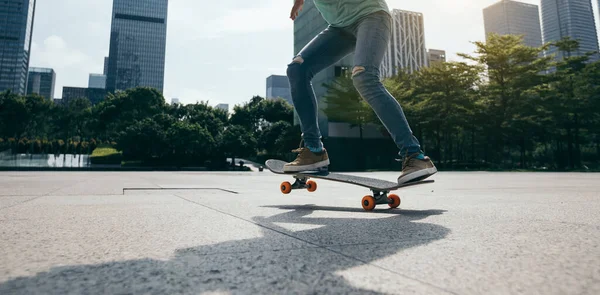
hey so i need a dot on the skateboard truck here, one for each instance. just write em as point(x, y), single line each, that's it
point(378, 198)
point(301, 182)
point(368, 202)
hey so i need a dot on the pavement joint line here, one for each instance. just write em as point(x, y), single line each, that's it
point(318, 245)
point(175, 188)
point(380, 243)
point(35, 198)
point(254, 251)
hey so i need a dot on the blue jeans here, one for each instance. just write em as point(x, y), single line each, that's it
point(368, 39)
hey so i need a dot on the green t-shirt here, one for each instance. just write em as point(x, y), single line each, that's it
point(341, 13)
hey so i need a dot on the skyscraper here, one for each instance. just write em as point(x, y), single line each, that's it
point(279, 86)
point(137, 44)
point(105, 66)
point(407, 44)
point(223, 106)
point(41, 81)
point(436, 56)
point(16, 30)
point(97, 81)
point(509, 17)
point(570, 18)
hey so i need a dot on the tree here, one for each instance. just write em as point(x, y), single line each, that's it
point(588, 89)
point(443, 100)
point(513, 70)
point(190, 142)
point(118, 111)
point(275, 110)
point(38, 109)
point(236, 141)
point(74, 118)
point(278, 139)
point(143, 140)
point(247, 115)
point(570, 108)
point(14, 115)
point(212, 119)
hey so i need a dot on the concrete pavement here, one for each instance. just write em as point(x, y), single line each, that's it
point(235, 233)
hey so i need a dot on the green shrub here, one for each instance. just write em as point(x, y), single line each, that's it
point(106, 156)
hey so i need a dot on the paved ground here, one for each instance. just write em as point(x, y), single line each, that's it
point(468, 233)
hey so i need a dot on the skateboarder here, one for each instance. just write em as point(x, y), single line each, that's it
point(362, 27)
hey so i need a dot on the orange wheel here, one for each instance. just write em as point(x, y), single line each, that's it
point(395, 201)
point(286, 187)
point(368, 203)
point(312, 186)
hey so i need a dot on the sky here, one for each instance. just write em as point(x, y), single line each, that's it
point(221, 51)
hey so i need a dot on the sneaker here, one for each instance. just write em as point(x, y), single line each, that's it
point(415, 169)
point(307, 161)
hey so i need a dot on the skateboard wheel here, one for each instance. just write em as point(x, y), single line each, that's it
point(311, 186)
point(368, 203)
point(286, 187)
point(394, 201)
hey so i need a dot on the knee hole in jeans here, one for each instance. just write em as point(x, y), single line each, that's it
point(357, 70)
point(298, 59)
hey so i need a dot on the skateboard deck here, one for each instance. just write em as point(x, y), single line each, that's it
point(380, 188)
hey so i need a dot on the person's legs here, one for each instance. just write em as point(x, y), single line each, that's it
point(325, 49)
point(373, 35)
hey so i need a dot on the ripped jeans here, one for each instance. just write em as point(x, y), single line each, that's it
point(368, 39)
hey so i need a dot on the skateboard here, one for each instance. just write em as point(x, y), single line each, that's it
point(380, 188)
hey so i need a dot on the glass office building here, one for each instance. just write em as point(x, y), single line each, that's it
point(41, 81)
point(97, 81)
point(569, 18)
point(16, 29)
point(137, 44)
point(279, 87)
point(514, 18)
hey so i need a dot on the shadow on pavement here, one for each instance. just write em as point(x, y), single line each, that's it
point(303, 263)
point(403, 212)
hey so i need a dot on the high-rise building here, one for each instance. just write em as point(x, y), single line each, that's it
point(407, 44)
point(279, 87)
point(105, 66)
point(436, 56)
point(16, 30)
point(174, 101)
point(137, 44)
point(95, 95)
point(570, 18)
point(508, 17)
point(97, 81)
point(41, 81)
point(223, 106)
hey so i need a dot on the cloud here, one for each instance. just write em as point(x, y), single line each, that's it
point(252, 20)
point(228, 19)
point(55, 53)
point(71, 65)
